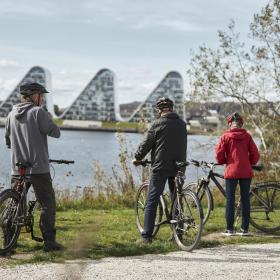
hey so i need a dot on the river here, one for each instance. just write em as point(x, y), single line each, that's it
point(85, 147)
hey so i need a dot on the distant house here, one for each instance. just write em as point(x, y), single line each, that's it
point(195, 124)
point(210, 122)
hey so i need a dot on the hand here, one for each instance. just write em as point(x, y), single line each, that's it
point(50, 116)
point(136, 162)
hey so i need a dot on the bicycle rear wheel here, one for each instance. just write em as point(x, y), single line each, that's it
point(265, 207)
point(140, 206)
point(9, 229)
point(205, 197)
point(187, 220)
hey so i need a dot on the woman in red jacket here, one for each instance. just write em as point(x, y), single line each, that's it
point(239, 152)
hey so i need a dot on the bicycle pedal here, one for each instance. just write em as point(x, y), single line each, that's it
point(38, 239)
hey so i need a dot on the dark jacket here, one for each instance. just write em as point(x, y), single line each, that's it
point(167, 141)
point(239, 152)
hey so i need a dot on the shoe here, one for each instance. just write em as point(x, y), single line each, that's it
point(144, 240)
point(50, 246)
point(228, 232)
point(243, 232)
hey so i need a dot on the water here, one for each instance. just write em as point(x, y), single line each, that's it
point(86, 147)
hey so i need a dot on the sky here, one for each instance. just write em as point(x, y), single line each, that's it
point(140, 41)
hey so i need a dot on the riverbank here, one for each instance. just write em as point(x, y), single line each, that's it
point(125, 127)
point(94, 234)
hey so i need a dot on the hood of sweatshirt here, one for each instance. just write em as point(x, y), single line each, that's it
point(22, 108)
point(236, 133)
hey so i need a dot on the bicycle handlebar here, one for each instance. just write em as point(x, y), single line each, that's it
point(211, 165)
point(61, 161)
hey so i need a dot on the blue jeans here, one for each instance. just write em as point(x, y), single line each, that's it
point(245, 201)
point(156, 188)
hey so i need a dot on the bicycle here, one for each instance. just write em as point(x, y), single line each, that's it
point(264, 198)
point(15, 212)
point(185, 215)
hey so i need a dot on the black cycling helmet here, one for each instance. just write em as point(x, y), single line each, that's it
point(235, 117)
point(32, 88)
point(164, 102)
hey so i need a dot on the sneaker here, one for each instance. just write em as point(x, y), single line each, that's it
point(50, 246)
point(144, 240)
point(228, 232)
point(243, 232)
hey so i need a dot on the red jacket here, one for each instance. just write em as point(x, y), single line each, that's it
point(239, 152)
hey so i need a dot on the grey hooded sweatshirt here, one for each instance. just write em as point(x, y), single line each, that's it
point(27, 128)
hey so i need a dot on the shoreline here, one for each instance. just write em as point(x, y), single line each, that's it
point(104, 129)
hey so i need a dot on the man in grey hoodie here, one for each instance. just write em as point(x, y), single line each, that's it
point(27, 128)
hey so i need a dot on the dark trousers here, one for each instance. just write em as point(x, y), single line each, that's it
point(245, 201)
point(156, 188)
point(44, 192)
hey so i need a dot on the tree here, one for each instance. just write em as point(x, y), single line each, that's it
point(248, 75)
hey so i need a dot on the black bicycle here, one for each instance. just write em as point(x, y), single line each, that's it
point(264, 198)
point(16, 211)
point(184, 217)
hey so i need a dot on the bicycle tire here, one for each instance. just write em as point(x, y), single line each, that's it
point(265, 207)
point(140, 205)
point(184, 217)
point(205, 196)
point(7, 213)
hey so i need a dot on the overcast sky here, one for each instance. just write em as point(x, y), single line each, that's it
point(140, 41)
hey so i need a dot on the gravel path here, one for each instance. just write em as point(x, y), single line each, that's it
point(248, 262)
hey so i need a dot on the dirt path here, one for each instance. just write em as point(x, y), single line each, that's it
point(250, 262)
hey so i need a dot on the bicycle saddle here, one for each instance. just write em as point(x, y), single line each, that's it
point(23, 165)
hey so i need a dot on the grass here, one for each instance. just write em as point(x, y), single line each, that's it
point(121, 125)
point(95, 234)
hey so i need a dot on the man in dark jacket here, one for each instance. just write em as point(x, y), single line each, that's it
point(27, 128)
point(167, 142)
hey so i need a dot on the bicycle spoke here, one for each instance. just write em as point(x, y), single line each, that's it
point(140, 207)
point(265, 208)
point(187, 212)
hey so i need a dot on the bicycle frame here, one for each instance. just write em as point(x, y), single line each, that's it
point(26, 219)
point(204, 182)
point(179, 181)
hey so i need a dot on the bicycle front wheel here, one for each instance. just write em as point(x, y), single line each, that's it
point(9, 229)
point(187, 220)
point(265, 207)
point(140, 206)
point(204, 194)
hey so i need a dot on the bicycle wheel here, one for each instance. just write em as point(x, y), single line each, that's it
point(187, 220)
point(205, 197)
point(9, 230)
point(140, 206)
point(265, 207)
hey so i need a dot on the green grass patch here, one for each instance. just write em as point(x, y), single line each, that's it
point(121, 125)
point(94, 234)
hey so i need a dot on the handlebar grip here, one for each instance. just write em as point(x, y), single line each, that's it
point(61, 161)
